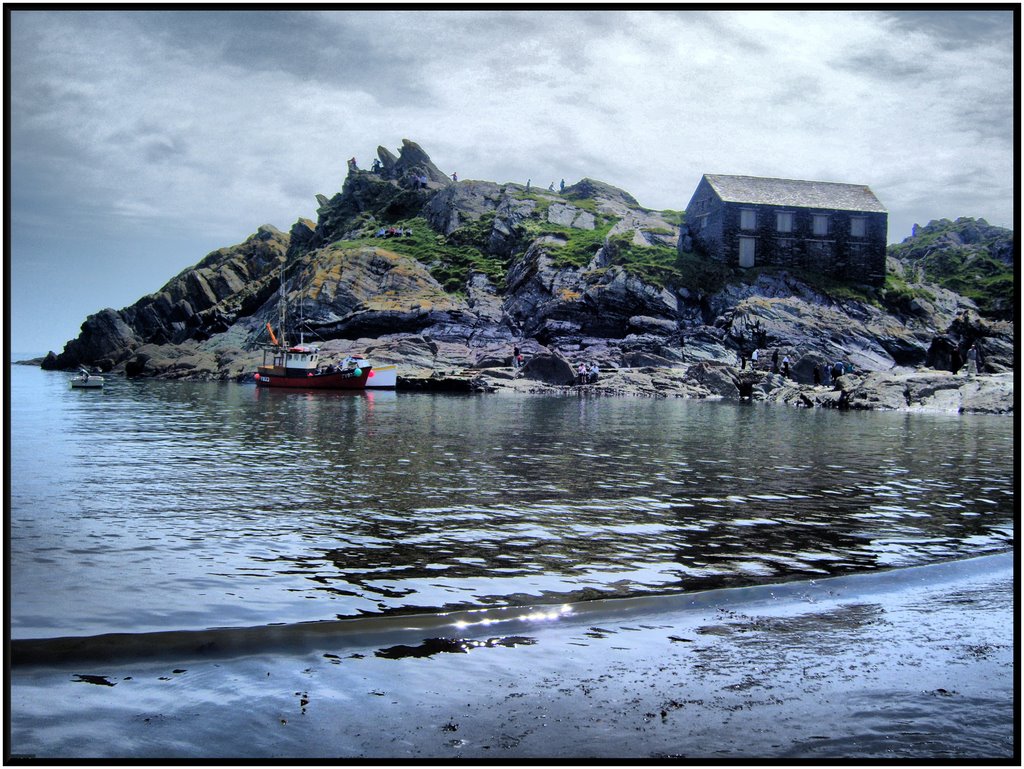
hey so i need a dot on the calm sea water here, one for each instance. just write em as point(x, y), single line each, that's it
point(172, 506)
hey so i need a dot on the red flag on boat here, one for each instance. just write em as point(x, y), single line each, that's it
point(272, 337)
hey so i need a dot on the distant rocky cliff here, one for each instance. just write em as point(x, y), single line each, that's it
point(434, 274)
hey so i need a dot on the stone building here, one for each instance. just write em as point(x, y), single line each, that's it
point(834, 229)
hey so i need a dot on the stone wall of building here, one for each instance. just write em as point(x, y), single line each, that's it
point(717, 228)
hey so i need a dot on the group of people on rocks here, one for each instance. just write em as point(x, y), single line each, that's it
point(777, 367)
point(821, 372)
point(587, 374)
point(836, 370)
point(393, 232)
point(551, 187)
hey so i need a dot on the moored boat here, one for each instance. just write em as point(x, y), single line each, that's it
point(381, 377)
point(299, 367)
point(87, 381)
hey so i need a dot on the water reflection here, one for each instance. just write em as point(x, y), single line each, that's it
point(203, 504)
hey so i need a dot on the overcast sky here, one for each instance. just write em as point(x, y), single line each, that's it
point(140, 141)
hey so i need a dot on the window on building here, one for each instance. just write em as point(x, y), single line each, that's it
point(747, 252)
point(748, 219)
point(784, 221)
point(821, 224)
point(858, 226)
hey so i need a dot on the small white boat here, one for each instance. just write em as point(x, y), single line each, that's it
point(87, 381)
point(380, 376)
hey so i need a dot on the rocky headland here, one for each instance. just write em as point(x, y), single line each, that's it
point(444, 278)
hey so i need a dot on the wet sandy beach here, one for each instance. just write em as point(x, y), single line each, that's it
point(907, 664)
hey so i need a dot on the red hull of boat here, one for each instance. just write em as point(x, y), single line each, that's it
point(334, 381)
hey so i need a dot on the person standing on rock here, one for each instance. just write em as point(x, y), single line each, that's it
point(785, 367)
point(515, 357)
point(972, 361)
point(581, 370)
point(817, 374)
point(528, 184)
point(455, 176)
point(775, 361)
point(753, 360)
point(561, 186)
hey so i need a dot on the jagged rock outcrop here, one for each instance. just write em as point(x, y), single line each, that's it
point(198, 303)
point(411, 161)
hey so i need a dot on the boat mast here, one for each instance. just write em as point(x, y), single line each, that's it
point(282, 309)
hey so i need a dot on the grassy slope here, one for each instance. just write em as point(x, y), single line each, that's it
point(970, 269)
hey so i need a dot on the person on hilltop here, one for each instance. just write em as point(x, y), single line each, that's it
point(455, 176)
point(561, 186)
point(528, 184)
point(551, 187)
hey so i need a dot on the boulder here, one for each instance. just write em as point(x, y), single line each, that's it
point(549, 367)
point(645, 324)
point(718, 379)
point(570, 216)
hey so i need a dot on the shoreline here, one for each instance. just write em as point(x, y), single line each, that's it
point(906, 663)
point(919, 390)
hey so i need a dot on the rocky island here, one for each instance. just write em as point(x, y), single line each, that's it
point(444, 278)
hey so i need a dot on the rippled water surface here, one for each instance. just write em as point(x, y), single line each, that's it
point(166, 505)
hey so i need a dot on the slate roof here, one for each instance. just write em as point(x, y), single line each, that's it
point(795, 193)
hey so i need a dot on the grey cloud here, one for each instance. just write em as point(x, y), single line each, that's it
point(956, 29)
point(881, 65)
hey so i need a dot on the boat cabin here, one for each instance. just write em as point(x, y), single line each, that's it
point(293, 361)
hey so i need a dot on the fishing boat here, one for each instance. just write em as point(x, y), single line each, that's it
point(298, 366)
point(86, 381)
